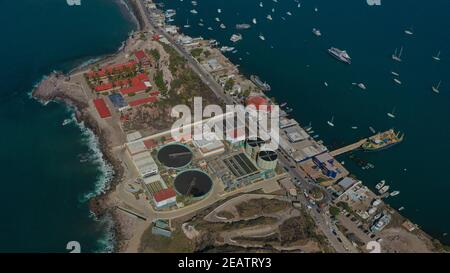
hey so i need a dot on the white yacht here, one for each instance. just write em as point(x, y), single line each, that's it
point(236, 37)
point(362, 86)
point(436, 88)
point(254, 21)
point(397, 57)
point(316, 31)
point(397, 81)
point(331, 122)
point(269, 17)
point(380, 185)
point(391, 114)
point(394, 193)
point(262, 37)
point(384, 189)
point(438, 56)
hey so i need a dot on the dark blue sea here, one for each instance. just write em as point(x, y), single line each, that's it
point(49, 171)
point(296, 64)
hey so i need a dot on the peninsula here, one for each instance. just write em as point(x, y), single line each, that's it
point(217, 195)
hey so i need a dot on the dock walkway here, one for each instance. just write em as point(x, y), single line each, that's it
point(348, 148)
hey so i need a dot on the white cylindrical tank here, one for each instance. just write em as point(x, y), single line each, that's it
point(267, 160)
point(252, 147)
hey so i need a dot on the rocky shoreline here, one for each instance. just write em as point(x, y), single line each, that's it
point(49, 90)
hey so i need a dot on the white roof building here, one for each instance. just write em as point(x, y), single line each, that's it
point(145, 164)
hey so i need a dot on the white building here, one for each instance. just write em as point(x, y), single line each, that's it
point(145, 164)
point(165, 198)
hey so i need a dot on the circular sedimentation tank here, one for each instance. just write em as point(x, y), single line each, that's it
point(267, 160)
point(193, 183)
point(175, 155)
point(252, 146)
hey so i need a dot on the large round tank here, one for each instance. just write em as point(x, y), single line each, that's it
point(175, 155)
point(267, 160)
point(193, 183)
point(253, 146)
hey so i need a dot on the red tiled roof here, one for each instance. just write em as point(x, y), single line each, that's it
point(150, 143)
point(164, 194)
point(102, 108)
point(258, 102)
point(103, 87)
point(102, 72)
point(137, 84)
point(134, 88)
point(143, 101)
point(154, 93)
point(140, 54)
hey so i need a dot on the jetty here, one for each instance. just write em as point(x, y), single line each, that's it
point(349, 148)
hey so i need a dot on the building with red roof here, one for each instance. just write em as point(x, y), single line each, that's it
point(117, 68)
point(102, 108)
point(259, 102)
point(139, 83)
point(104, 87)
point(165, 198)
point(150, 144)
point(146, 100)
point(142, 57)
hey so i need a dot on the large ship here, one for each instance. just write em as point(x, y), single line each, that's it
point(383, 140)
point(341, 55)
point(263, 85)
point(243, 26)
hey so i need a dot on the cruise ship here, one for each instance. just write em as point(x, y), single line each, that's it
point(263, 85)
point(341, 55)
point(383, 140)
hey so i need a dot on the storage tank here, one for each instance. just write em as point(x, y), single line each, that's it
point(267, 160)
point(253, 146)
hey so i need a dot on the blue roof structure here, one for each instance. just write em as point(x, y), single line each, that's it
point(117, 100)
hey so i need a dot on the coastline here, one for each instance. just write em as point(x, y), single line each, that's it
point(48, 90)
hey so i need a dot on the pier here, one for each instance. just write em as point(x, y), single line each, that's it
point(348, 148)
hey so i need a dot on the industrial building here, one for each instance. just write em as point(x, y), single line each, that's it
point(165, 198)
point(296, 134)
point(236, 170)
point(145, 164)
point(327, 164)
point(209, 146)
point(136, 147)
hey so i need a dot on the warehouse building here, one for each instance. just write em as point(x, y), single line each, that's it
point(165, 198)
point(145, 164)
point(327, 164)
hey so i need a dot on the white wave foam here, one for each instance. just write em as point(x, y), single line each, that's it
point(107, 242)
point(35, 85)
point(106, 174)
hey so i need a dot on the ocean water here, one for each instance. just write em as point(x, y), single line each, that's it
point(296, 64)
point(48, 171)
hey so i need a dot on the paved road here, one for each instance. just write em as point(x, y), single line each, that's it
point(322, 220)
